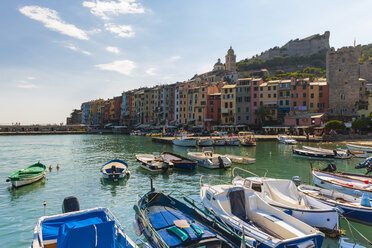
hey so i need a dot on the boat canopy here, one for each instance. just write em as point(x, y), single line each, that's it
point(282, 191)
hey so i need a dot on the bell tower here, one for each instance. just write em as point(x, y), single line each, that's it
point(230, 60)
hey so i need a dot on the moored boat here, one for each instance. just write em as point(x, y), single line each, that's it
point(283, 194)
point(154, 163)
point(167, 222)
point(232, 141)
point(219, 142)
point(347, 183)
point(338, 154)
point(210, 160)
point(241, 208)
point(287, 140)
point(247, 138)
point(313, 154)
point(115, 170)
point(179, 161)
point(359, 147)
point(354, 208)
point(96, 227)
point(27, 175)
point(205, 142)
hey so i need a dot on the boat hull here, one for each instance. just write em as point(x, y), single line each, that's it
point(210, 163)
point(27, 181)
point(219, 142)
point(359, 148)
point(313, 155)
point(185, 142)
point(205, 142)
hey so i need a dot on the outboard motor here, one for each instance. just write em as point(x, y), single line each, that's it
point(70, 204)
point(369, 169)
point(365, 164)
point(220, 162)
point(297, 180)
point(113, 169)
point(330, 168)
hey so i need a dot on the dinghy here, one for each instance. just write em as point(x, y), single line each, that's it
point(287, 140)
point(241, 207)
point(354, 208)
point(205, 142)
point(209, 160)
point(179, 161)
point(27, 175)
point(167, 222)
point(183, 140)
point(347, 183)
point(283, 194)
point(115, 170)
point(359, 147)
point(154, 163)
point(338, 154)
point(96, 227)
point(313, 154)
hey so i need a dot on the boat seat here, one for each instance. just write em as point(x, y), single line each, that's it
point(50, 243)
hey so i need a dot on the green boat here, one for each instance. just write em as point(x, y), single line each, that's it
point(27, 175)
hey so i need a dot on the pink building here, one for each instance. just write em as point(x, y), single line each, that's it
point(255, 99)
point(308, 119)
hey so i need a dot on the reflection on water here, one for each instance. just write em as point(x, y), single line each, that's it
point(16, 193)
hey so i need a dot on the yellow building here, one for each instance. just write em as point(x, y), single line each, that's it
point(269, 99)
point(228, 94)
point(148, 108)
point(183, 105)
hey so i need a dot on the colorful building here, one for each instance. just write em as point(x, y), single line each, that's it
point(213, 110)
point(228, 101)
point(269, 100)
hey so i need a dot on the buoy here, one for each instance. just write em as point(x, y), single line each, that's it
point(44, 203)
point(229, 169)
point(58, 167)
point(50, 167)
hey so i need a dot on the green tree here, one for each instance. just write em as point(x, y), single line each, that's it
point(362, 124)
point(335, 125)
point(261, 114)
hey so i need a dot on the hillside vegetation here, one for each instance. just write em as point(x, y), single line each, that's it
point(365, 53)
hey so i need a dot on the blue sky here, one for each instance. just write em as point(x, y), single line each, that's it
point(54, 55)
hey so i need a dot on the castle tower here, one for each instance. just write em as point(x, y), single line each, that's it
point(343, 82)
point(230, 60)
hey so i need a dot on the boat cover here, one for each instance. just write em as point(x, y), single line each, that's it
point(282, 191)
point(88, 233)
point(50, 228)
point(237, 202)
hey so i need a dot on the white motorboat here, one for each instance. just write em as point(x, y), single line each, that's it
point(232, 141)
point(283, 194)
point(210, 160)
point(240, 207)
point(338, 154)
point(205, 142)
point(154, 163)
point(183, 140)
point(287, 140)
point(219, 142)
point(359, 147)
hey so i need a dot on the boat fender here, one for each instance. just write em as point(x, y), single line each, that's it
point(137, 229)
point(70, 204)
point(365, 201)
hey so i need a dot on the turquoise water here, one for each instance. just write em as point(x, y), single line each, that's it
point(80, 158)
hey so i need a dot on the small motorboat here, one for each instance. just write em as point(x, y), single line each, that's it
point(27, 175)
point(179, 161)
point(347, 183)
point(219, 142)
point(115, 170)
point(357, 147)
point(357, 154)
point(167, 222)
point(283, 194)
point(240, 207)
point(365, 164)
point(205, 142)
point(232, 141)
point(287, 140)
point(153, 162)
point(354, 208)
point(210, 160)
point(313, 154)
point(189, 142)
point(247, 138)
point(338, 154)
point(96, 227)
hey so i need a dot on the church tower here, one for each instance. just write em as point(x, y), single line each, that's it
point(230, 60)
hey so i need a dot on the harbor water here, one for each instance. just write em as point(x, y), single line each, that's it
point(81, 156)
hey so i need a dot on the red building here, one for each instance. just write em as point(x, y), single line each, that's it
point(117, 109)
point(213, 110)
point(171, 106)
point(106, 113)
point(300, 95)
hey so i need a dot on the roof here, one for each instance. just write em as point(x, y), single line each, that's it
point(229, 86)
point(306, 115)
point(318, 83)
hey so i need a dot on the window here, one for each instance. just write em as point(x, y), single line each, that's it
point(230, 104)
point(238, 110)
point(287, 93)
point(269, 88)
point(199, 110)
point(255, 104)
point(320, 94)
point(304, 87)
point(281, 103)
point(281, 93)
point(247, 110)
point(261, 95)
point(312, 95)
point(269, 95)
point(311, 105)
point(274, 87)
point(226, 105)
point(304, 94)
point(219, 110)
point(294, 104)
point(286, 102)
point(238, 117)
point(294, 87)
point(261, 88)
point(254, 95)
point(261, 103)
point(274, 95)
point(199, 118)
point(320, 87)
point(255, 88)
point(303, 103)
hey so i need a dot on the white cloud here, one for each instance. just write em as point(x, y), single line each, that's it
point(74, 48)
point(113, 49)
point(124, 31)
point(105, 8)
point(94, 31)
point(25, 85)
point(51, 20)
point(175, 58)
point(30, 78)
point(151, 71)
point(124, 67)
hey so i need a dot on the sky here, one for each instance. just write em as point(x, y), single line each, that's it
point(55, 54)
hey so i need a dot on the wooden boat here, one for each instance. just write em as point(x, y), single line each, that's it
point(179, 161)
point(283, 195)
point(347, 183)
point(357, 154)
point(287, 140)
point(338, 154)
point(313, 154)
point(205, 142)
point(359, 147)
point(240, 207)
point(209, 160)
point(351, 206)
point(115, 170)
point(154, 163)
point(96, 227)
point(167, 222)
point(247, 138)
point(27, 175)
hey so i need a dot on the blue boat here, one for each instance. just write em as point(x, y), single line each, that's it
point(96, 227)
point(179, 161)
point(115, 170)
point(167, 222)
